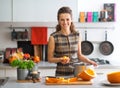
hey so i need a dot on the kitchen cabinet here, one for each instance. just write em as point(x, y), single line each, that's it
point(5, 10)
point(2, 73)
point(47, 72)
point(13, 73)
point(45, 69)
point(40, 10)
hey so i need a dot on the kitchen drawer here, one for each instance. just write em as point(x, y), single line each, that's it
point(2, 73)
point(47, 72)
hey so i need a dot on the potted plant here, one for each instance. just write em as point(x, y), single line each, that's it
point(23, 68)
point(24, 63)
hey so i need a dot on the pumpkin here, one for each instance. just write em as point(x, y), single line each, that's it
point(87, 74)
point(114, 77)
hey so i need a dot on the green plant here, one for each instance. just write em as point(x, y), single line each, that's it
point(23, 64)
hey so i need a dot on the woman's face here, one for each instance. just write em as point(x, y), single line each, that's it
point(65, 20)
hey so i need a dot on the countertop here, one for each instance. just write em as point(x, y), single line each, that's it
point(97, 83)
point(101, 76)
point(48, 65)
point(42, 64)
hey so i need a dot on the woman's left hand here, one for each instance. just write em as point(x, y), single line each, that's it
point(65, 60)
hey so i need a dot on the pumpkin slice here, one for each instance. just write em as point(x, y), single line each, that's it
point(114, 77)
point(51, 80)
point(87, 74)
point(73, 79)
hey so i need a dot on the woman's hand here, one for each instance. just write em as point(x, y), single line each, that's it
point(65, 60)
point(94, 63)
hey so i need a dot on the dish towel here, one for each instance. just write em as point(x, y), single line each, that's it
point(38, 35)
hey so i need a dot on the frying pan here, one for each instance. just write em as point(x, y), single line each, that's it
point(106, 47)
point(86, 46)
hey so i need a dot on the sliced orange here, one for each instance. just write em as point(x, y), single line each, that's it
point(51, 80)
point(114, 77)
point(73, 79)
point(60, 80)
point(87, 74)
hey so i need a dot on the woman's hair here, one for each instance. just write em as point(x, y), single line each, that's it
point(65, 10)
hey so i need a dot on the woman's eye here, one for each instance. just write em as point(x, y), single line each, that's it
point(67, 19)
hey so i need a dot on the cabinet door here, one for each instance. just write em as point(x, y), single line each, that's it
point(2, 72)
point(41, 10)
point(47, 72)
point(5, 10)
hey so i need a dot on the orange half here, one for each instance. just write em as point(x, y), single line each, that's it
point(114, 77)
point(87, 74)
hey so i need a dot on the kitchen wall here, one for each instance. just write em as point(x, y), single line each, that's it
point(96, 36)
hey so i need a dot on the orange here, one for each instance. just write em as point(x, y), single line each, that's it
point(36, 59)
point(114, 77)
point(51, 80)
point(73, 79)
point(60, 80)
point(12, 58)
point(87, 74)
point(65, 59)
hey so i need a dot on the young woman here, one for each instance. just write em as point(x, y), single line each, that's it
point(64, 46)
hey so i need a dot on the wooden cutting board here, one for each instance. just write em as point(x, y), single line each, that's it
point(79, 82)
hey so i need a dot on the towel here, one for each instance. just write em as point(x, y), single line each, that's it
point(38, 35)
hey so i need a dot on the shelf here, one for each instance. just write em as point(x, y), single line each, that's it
point(52, 25)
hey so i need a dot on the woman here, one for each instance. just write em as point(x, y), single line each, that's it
point(65, 42)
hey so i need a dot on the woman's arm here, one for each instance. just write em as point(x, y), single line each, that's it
point(51, 47)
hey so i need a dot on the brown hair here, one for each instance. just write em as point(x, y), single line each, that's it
point(65, 10)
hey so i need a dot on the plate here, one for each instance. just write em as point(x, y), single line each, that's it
point(105, 82)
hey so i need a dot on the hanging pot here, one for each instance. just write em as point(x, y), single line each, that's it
point(86, 46)
point(106, 47)
point(13, 34)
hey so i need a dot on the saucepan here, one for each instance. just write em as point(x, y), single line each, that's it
point(106, 47)
point(80, 66)
point(86, 46)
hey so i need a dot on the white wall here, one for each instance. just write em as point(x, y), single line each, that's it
point(40, 10)
point(96, 35)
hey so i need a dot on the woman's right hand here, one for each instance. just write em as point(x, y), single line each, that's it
point(65, 60)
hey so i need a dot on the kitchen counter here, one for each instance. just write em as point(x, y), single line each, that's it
point(40, 65)
point(44, 65)
point(97, 83)
point(46, 68)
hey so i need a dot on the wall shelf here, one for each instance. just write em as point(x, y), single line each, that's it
point(52, 25)
point(88, 25)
